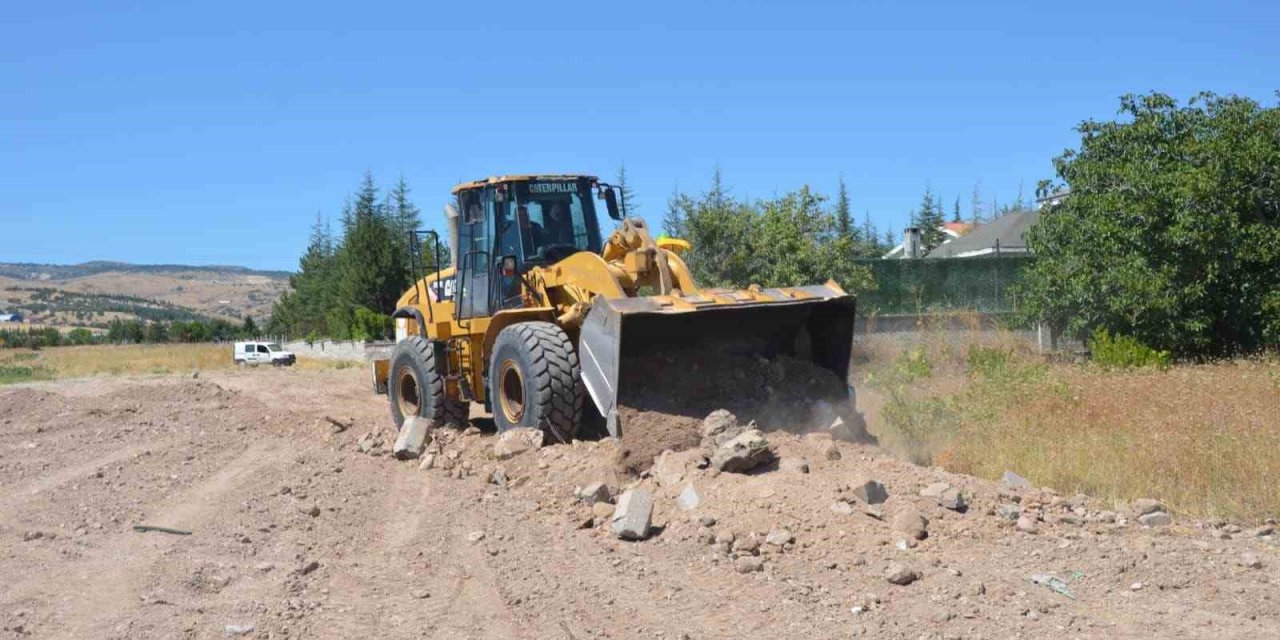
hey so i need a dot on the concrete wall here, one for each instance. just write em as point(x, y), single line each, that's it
point(328, 349)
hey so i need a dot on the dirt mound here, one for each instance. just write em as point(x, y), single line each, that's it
point(664, 398)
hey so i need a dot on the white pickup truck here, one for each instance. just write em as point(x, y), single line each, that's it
point(256, 353)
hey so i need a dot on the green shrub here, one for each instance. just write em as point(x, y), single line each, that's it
point(1124, 352)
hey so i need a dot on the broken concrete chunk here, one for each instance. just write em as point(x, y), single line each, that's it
point(952, 499)
point(870, 492)
point(412, 437)
point(689, 498)
point(631, 516)
point(596, 492)
point(514, 442)
point(743, 453)
point(1016, 481)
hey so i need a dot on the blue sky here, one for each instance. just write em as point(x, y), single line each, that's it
point(211, 133)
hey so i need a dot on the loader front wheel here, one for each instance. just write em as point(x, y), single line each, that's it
point(535, 381)
point(416, 386)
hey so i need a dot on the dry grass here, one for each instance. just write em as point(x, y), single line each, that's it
point(99, 360)
point(1205, 439)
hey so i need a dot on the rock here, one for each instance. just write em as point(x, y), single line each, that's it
point(874, 510)
point(743, 453)
point(1008, 511)
point(1264, 530)
point(1143, 506)
point(421, 594)
point(265, 567)
point(909, 521)
point(831, 451)
point(412, 437)
point(314, 511)
point(707, 521)
point(725, 537)
point(689, 498)
point(672, 467)
point(1016, 481)
point(310, 567)
point(1250, 560)
point(935, 490)
point(365, 443)
point(596, 492)
point(870, 492)
point(32, 535)
point(1027, 524)
point(631, 517)
point(428, 461)
point(498, 477)
point(952, 499)
point(852, 430)
point(746, 544)
point(840, 507)
point(238, 629)
point(514, 442)
point(1155, 519)
point(900, 574)
point(602, 512)
point(779, 537)
point(748, 564)
point(793, 465)
point(719, 427)
point(475, 536)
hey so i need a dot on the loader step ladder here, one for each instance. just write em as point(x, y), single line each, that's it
point(458, 366)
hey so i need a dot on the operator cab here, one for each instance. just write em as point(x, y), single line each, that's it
point(509, 224)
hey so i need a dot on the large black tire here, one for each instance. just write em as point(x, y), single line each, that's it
point(535, 380)
point(416, 386)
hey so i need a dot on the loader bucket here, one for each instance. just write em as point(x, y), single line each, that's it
point(627, 345)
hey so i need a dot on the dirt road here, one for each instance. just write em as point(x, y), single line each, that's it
point(297, 533)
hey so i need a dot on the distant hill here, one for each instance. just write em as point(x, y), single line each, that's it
point(31, 271)
point(93, 293)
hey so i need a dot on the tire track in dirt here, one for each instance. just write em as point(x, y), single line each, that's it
point(419, 545)
point(15, 498)
point(106, 588)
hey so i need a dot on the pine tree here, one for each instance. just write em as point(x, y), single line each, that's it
point(844, 217)
point(673, 220)
point(250, 328)
point(404, 217)
point(371, 269)
point(929, 219)
point(630, 206)
point(976, 203)
point(955, 212)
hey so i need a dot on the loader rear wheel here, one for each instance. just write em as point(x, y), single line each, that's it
point(416, 386)
point(535, 381)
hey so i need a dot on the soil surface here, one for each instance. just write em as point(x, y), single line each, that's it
point(298, 533)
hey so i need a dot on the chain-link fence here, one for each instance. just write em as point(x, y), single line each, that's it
point(942, 284)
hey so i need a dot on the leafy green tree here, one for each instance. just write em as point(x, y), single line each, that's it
point(157, 332)
point(250, 328)
point(80, 336)
point(721, 230)
point(1171, 231)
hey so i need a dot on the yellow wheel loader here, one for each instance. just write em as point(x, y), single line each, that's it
point(539, 316)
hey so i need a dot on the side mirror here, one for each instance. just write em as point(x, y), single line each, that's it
point(611, 203)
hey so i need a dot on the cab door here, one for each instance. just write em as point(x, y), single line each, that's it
point(475, 253)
